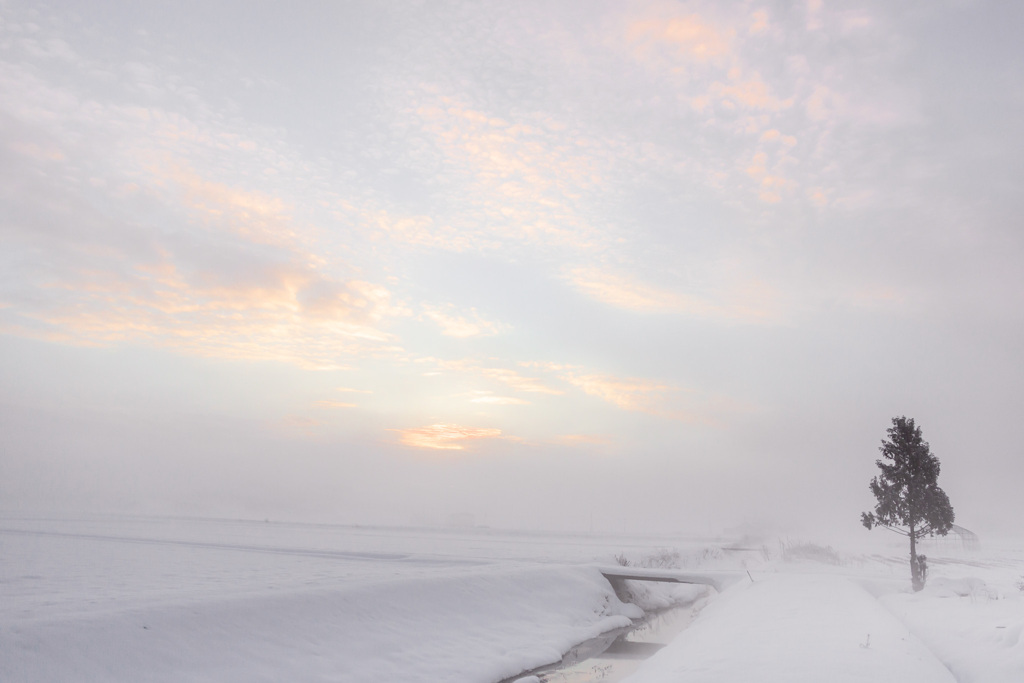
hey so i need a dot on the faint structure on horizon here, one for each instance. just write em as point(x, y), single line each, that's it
point(462, 520)
point(958, 537)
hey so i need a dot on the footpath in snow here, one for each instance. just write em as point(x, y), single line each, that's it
point(795, 629)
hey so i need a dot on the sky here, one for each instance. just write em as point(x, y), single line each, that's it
point(584, 266)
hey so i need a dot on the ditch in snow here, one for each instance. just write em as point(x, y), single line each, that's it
point(616, 654)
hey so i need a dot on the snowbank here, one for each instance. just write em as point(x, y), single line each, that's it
point(975, 629)
point(794, 629)
point(481, 625)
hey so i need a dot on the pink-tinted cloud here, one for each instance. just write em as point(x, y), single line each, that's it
point(751, 92)
point(625, 292)
point(658, 398)
point(687, 38)
point(328, 403)
point(744, 301)
point(454, 323)
point(446, 437)
point(256, 293)
point(488, 398)
point(758, 22)
point(209, 267)
point(506, 376)
point(527, 179)
point(636, 394)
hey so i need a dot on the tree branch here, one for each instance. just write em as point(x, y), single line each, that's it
point(895, 530)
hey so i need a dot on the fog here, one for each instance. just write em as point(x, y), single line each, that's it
point(601, 267)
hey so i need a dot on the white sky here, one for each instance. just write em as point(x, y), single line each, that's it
point(625, 265)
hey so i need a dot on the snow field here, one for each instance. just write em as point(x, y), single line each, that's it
point(483, 625)
point(176, 600)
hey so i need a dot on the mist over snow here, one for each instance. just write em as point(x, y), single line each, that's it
point(615, 267)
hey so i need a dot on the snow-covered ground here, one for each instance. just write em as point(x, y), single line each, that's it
point(795, 628)
point(147, 599)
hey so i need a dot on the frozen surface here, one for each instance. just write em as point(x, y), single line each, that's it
point(146, 599)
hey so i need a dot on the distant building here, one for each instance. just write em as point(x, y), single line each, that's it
point(957, 538)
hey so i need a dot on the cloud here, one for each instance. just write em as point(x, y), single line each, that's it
point(813, 21)
point(425, 231)
point(297, 424)
point(824, 104)
point(747, 301)
point(509, 181)
point(254, 216)
point(582, 440)
point(688, 37)
point(328, 403)
point(758, 22)
point(489, 399)
point(517, 381)
point(240, 287)
point(624, 292)
point(505, 376)
point(148, 246)
point(635, 394)
point(445, 437)
point(751, 92)
point(658, 398)
point(453, 324)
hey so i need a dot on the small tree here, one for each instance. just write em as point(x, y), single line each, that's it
point(910, 501)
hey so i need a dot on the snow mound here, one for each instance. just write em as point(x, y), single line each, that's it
point(942, 587)
point(976, 629)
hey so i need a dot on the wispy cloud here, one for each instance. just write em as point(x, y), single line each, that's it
point(528, 178)
point(583, 440)
point(328, 403)
point(658, 398)
point(489, 398)
point(297, 425)
point(446, 437)
point(507, 376)
point(636, 394)
point(740, 90)
point(518, 381)
point(624, 292)
point(686, 37)
point(749, 302)
point(454, 323)
point(240, 289)
point(159, 249)
point(715, 60)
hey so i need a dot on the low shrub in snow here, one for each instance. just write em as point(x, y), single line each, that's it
point(809, 551)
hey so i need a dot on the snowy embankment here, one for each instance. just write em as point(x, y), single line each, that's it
point(975, 628)
point(483, 625)
point(795, 629)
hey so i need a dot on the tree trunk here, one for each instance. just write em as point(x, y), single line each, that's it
point(916, 580)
